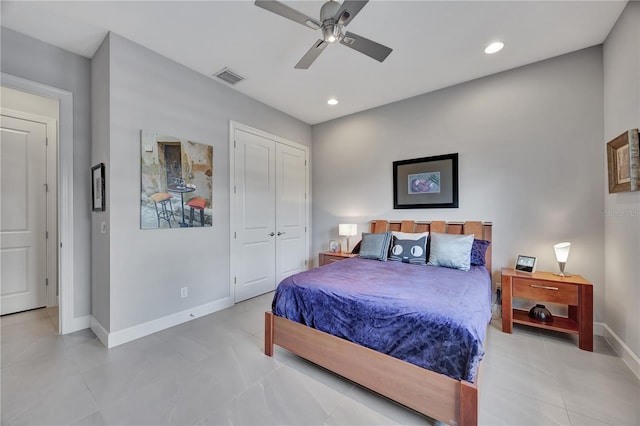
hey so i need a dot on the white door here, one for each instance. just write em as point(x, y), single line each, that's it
point(255, 215)
point(270, 213)
point(291, 211)
point(23, 215)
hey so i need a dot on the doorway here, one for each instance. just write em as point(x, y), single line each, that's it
point(29, 221)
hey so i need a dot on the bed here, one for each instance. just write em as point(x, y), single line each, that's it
point(437, 383)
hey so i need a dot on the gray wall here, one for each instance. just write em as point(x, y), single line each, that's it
point(148, 267)
point(622, 210)
point(100, 124)
point(531, 161)
point(34, 60)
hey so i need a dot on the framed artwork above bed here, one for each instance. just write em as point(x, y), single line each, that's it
point(426, 183)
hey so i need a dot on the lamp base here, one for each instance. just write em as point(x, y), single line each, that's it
point(562, 274)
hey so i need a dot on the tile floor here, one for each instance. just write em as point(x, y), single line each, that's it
point(212, 371)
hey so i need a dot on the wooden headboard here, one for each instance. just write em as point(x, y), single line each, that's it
point(480, 230)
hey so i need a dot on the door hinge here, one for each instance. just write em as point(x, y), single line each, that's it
point(46, 282)
point(235, 280)
point(234, 143)
point(235, 235)
point(46, 235)
point(305, 162)
point(305, 263)
point(46, 187)
point(46, 141)
point(305, 229)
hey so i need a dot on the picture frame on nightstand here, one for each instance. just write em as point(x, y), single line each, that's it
point(335, 246)
point(526, 264)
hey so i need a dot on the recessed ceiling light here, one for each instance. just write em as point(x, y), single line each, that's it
point(332, 101)
point(494, 47)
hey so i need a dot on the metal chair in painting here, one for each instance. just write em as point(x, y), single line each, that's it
point(164, 208)
point(197, 203)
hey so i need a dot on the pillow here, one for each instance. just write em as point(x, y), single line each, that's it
point(375, 246)
point(478, 252)
point(409, 248)
point(450, 251)
point(356, 249)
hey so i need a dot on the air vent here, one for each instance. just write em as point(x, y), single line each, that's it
point(229, 76)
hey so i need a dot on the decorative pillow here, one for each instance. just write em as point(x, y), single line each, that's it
point(409, 247)
point(356, 249)
point(375, 246)
point(478, 252)
point(450, 251)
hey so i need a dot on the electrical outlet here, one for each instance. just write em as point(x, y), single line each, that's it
point(184, 292)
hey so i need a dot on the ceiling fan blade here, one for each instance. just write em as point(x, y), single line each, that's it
point(348, 11)
point(289, 13)
point(366, 46)
point(311, 55)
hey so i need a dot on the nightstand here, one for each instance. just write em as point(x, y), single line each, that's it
point(573, 291)
point(330, 257)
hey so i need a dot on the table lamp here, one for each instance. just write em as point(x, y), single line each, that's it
point(347, 230)
point(562, 254)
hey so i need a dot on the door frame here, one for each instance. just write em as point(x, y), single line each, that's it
point(65, 192)
point(233, 126)
point(52, 201)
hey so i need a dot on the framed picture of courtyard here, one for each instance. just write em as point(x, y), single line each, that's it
point(176, 182)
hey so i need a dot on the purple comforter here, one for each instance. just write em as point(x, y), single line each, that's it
point(430, 316)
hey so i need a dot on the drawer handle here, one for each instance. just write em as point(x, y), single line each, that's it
point(544, 287)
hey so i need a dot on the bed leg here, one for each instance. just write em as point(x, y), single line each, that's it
point(268, 333)
point(468, 404)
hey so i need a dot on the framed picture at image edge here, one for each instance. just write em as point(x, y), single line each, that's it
point(526, 264)
point(97, 188)
point(623, 162)
point(426, 183)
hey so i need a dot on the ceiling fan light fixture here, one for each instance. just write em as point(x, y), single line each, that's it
point(332, 32)
point(332, 101)
point(494, 47)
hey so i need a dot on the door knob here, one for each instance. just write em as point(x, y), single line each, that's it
point(271, 234)
point(281, 233)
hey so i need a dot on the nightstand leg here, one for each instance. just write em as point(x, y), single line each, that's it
point(507, 310)
point(585, 322)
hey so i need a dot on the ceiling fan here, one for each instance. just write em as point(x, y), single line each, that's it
point(333, 18)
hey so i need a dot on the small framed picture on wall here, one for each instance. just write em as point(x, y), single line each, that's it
point(526, 264)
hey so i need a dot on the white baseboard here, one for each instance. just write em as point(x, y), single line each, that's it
point(623, 350)
point(119, 337)
point(99, 331)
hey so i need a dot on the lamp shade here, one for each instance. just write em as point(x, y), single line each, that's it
point(562, 251)
point(347, 229)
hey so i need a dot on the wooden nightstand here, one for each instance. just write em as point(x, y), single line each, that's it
point(329, 257)
point(573, 291)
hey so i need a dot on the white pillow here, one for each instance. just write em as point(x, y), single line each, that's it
point(450, 251)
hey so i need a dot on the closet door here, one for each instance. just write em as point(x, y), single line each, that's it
point(269, 240)
point(291, 210)
point(254, 245)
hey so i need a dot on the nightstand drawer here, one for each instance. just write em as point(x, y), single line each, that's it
point(547, 291)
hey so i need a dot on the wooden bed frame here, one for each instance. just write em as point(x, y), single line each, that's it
point(451, 401)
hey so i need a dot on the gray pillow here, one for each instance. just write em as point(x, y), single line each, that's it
point(450, 251)
point(375, 246)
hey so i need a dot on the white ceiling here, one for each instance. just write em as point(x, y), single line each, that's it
point(435, 43)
